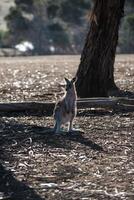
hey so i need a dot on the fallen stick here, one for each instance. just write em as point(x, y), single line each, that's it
point(110, 103)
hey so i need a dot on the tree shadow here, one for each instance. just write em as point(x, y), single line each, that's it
point(121, 93)
point(16, 136)
point(13, 189)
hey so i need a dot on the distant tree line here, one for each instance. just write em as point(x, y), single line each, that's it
point(126, 39)
point(58, 26)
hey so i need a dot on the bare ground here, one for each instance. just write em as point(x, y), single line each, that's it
point(97, 162)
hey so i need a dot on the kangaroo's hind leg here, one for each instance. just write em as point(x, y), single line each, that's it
point(55, 127)
point(70, 129)
point(58, 125)
point(57, 117)
point(70, 126)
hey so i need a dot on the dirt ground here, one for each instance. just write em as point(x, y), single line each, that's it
point(97, 162)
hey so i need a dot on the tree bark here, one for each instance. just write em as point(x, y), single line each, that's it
point(96, 70)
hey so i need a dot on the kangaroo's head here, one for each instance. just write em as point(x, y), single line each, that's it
point(70, 85)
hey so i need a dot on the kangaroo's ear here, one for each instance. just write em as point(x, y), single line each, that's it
point(67, 81)
point(74, 80)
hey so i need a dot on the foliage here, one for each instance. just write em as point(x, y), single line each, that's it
point(3, 38)
point(47, 22)
point(72, 11)
point(58, 34)
point(60, 23)
point(126, 40)
point(130, 21)
point(16, 21)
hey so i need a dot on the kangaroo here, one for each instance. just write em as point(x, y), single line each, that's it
point(65, 110)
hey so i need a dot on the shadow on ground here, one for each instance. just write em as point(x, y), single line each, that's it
point(10, 187)
point(13, 189)
point(22, 132)
point(14, 135)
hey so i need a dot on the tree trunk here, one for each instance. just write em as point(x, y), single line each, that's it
point(96, 70)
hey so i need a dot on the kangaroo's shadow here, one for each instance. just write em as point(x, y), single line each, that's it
point(62, 139)
point(39, 134)
point(78, 137)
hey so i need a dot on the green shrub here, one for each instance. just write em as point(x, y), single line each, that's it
point(3, 37)
point(130, 21)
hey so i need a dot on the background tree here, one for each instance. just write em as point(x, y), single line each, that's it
point(126, 39)
point(96, 70)
point(61, 24)
point(18, 22)
point(48, 23)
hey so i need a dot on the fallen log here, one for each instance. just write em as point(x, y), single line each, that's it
point(26, 106)
point(107, 103)
point(121, 100)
